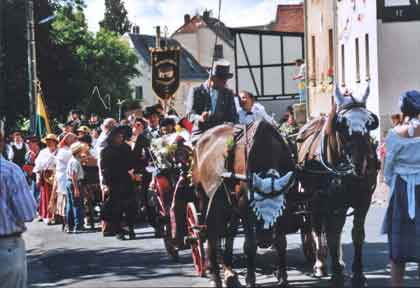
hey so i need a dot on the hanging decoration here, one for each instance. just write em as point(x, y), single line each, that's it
point(165, 69)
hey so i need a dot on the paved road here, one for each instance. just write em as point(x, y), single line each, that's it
point(88, 260)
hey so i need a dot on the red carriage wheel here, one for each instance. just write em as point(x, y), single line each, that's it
point(197, 245)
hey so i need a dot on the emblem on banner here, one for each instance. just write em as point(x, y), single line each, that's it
point(165, 71)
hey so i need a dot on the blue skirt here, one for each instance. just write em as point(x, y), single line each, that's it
point(403, 232)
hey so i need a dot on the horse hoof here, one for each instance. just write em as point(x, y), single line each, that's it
point(320, 272)
point(282, 279)
point(337, 281)
point(216, 282)
point(250, 282)
point(359, 281)
point(232, 282)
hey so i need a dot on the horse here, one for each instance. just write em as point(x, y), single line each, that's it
point(339, 172)
point(247, 179)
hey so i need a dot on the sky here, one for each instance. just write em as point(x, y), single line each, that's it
point(151, 13)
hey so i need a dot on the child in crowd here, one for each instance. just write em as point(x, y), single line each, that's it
point(75, 175)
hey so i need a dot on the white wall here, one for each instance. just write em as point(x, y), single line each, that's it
point(354, 22)
point(190, 42)
point(399, 64)
point(319, 22)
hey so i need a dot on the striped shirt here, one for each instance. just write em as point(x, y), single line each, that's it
point(17, 204)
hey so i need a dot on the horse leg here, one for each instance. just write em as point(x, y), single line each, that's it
point(358, 236)
point(213, 246)
point(250, 249)
point(280, 243)
point(321, 251)
point(230, 276)
point(335, 224)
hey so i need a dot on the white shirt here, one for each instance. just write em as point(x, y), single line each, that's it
point(257, 113)
point(74, 166)
point(44, 161)
point(62, 159)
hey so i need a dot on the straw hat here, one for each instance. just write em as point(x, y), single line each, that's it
point(76, 148)
point(51, 137)
point(84, 129)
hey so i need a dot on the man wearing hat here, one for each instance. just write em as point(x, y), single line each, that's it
point(66, 128)
point(94, 121)
point(153, 117)
point(212, 103)
point(76, 118)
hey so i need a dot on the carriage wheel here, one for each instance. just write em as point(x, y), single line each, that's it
point(308, 245)
point(197, 245)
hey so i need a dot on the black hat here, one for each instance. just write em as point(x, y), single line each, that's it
point(151, 110)
point(33, 138)
point(75, 111)
point(85, 139)
point(222, 70)
point(167, 121)
point(16, 131)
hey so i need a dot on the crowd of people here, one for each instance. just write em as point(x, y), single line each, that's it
point(91, 164)
point(104, 164)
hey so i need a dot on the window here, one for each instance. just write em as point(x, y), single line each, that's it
point(218, 51)
point(331, 48)
point(367, 57)
point(343, 66)
point(313, 55)
point(357, 60)
point(139, 93)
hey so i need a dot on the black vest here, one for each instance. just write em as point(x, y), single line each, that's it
point(19, 155)
point(225, 110)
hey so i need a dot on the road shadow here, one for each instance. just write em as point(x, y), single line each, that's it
point(68, 267)
point(376, 267)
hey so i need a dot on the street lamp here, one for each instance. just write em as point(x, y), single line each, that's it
point(31, 50)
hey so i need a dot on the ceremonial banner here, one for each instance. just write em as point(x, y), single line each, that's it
point(42, 125)
point(165, 71)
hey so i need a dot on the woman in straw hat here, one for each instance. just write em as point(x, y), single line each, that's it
point(45, 171)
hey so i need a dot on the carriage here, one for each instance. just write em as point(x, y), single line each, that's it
point(174, 199)
point(182, 212)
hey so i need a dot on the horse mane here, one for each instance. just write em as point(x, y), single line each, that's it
point(279, 157)
point(310, 139)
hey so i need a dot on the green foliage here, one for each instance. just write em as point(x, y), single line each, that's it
point(71, 60)
point(115, 18)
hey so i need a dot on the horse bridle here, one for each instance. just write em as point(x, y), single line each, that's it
point(351, 170)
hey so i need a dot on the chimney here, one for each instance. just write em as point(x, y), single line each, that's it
point(187, 18)
point(206, 15)
point(136, 29)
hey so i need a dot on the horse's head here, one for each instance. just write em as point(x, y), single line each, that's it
point(353, 124)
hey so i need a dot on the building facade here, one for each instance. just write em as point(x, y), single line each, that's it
point(198, 36)
point(363, 41)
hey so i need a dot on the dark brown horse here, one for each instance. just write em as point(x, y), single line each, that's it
point(339, 171)
point(249, 181)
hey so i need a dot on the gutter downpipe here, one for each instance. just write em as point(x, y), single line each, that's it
point(336, 44)
point(306, 37)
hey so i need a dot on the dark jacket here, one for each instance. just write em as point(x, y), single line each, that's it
point(140, 154)
point(225, 107)
point(116, 161)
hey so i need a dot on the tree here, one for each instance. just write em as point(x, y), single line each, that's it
point(102, 60)
point(115, 18)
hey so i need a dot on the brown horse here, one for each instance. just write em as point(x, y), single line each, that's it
point(249, 182)
point(339, 171)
